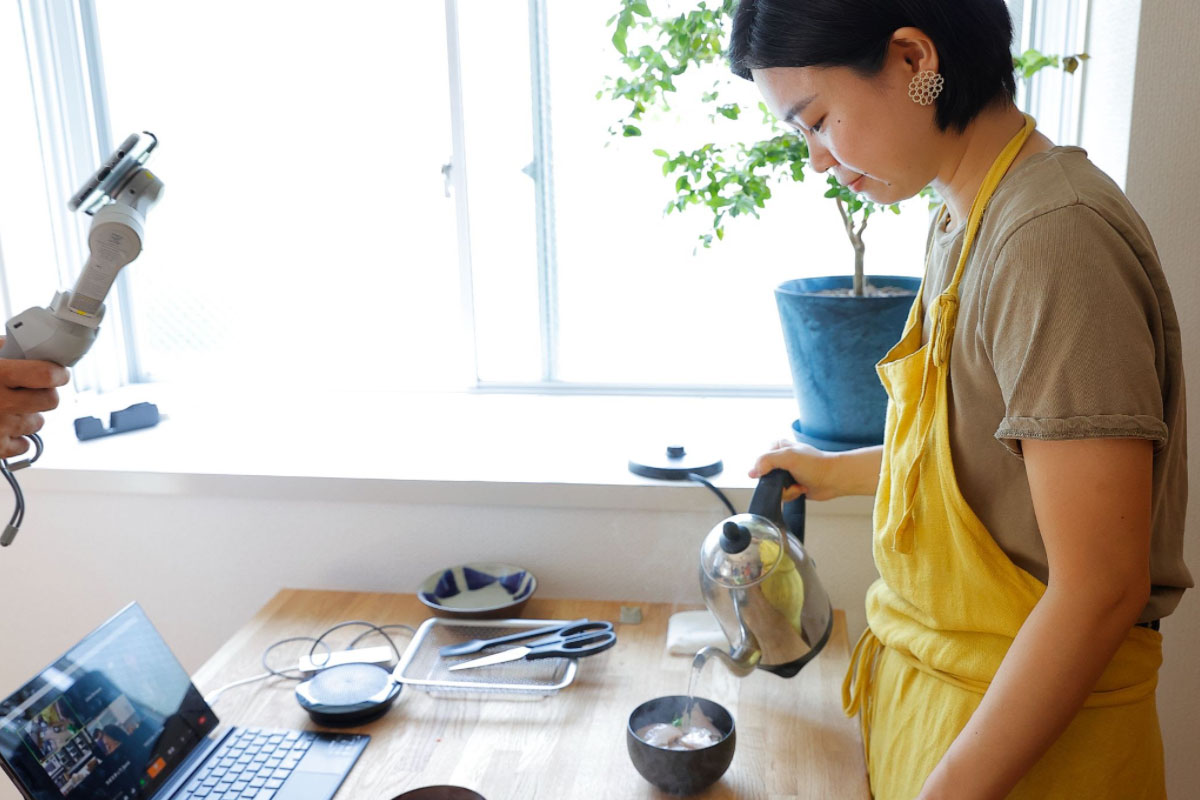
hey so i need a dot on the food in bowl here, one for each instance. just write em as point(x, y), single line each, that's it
point(689, 731)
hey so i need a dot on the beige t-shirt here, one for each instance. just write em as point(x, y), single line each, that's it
point(1066, 330)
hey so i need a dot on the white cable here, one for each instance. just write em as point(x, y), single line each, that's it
point(213, 696)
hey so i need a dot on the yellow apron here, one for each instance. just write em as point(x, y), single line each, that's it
point(949, 602)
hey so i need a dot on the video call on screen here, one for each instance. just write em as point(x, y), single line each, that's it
point(109, 720)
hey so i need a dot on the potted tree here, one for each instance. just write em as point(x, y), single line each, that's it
point(836, 328)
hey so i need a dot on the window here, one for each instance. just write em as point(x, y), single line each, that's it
point(632, 302)
point(1054, 97)
point(384, 195)
point(305, 233)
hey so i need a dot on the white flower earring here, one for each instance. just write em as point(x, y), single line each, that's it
point(925, 86)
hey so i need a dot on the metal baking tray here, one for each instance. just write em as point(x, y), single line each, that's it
point(421, 666)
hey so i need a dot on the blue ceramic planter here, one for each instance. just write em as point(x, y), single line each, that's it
point(833, 343)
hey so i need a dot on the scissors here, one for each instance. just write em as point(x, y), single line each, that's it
point(572, 641)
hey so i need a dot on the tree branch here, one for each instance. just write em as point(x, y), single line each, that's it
point(847, 221)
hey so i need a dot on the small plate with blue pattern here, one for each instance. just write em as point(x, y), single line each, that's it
point(478, 591)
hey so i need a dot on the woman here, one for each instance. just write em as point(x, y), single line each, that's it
point(1031, 487)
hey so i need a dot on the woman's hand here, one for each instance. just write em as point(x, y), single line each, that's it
point(26, 388)
point(819, 474)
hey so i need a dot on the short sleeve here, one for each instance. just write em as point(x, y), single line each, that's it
point(1068, 321)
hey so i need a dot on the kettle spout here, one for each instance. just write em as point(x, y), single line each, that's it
point(741, 662)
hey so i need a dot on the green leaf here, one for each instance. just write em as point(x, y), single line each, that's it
point(1071, 63)
point(640, 9)
point(631, 130)
point(618, 40)
point(658, 151)
point(620, 34)
point(1031, 62)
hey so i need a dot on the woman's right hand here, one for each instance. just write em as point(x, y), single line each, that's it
point(822, 475)
point(811, 468)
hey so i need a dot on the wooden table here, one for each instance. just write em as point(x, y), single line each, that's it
point(793, 740)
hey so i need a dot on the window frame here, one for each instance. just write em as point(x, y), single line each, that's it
point(66, 72)
point(1032, 32)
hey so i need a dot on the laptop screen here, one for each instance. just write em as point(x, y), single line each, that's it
point(110, 720)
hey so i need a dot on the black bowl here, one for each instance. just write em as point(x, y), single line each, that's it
point(680, 771)
point(440, 793)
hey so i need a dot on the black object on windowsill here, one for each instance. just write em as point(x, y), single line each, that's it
point(137, 416)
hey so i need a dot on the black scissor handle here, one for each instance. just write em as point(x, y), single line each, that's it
point(585, 626)
point(577, 646)
point(475, 645)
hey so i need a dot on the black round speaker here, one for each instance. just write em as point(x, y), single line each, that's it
point(348, 694)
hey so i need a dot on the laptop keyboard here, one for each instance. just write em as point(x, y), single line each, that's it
point(251, 764)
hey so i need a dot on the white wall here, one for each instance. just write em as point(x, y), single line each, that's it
point(203, 563)
point(1108, 83)
point(202, 558)
point(1163, 176)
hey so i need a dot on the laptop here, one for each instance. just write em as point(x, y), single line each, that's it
point(118, 718)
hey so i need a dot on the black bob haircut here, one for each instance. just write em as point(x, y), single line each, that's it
point(972, 39)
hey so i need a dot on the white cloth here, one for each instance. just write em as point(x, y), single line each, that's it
point(688, 631)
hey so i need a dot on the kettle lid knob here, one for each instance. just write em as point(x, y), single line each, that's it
point(734, 538)
point(741, 550)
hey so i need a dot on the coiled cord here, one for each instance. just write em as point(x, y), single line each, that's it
point(318, 641)
point(7, 470)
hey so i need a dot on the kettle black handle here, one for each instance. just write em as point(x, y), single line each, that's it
point(768, 496)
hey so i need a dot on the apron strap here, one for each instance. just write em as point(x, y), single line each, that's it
point(1124, 695)
point(947, 302)
point(944, 309)
point(856, 686)
point(983, 196)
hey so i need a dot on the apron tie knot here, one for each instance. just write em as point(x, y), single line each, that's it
point(946, 310)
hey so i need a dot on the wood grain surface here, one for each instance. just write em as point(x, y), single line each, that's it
point(792, 739)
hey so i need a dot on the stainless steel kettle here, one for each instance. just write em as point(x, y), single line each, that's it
point(761, 585)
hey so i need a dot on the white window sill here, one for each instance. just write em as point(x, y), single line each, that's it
point(454, 449)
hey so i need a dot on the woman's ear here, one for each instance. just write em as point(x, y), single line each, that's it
point(913, 49)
